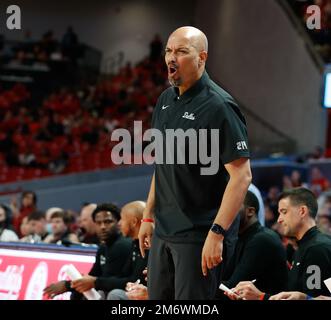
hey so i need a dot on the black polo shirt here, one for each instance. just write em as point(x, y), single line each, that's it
point(314, 249)
point(187, 201)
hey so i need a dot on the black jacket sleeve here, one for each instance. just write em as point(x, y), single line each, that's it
point(119, 282)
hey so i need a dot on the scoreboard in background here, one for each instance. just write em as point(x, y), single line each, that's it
point(26, 269)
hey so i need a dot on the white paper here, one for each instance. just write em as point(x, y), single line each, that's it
point(74, 274)
point(225, 288)
point(328, 284)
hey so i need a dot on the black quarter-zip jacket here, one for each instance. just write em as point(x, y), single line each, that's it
point(131, 271)
point(259, 255)
point(311, 264)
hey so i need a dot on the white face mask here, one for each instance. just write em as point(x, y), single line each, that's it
point(49, 228)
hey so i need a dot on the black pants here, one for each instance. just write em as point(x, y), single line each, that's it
point(174, 269)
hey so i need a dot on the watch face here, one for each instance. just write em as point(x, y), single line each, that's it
point(217, 229)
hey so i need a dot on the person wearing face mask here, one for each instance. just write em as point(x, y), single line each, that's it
point(48, 215)
point(5, 233)
point(61, 233)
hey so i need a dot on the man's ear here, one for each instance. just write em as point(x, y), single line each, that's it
point(202, 57)
point(304, 211)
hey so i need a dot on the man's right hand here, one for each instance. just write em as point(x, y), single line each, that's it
point(55, 288)
point(137, 292)
point(145, 236)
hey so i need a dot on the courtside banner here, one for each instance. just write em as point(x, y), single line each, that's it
point(25, 273)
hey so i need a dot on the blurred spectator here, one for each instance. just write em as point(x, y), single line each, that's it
point(270, 217)
point(69, 45)
point(272, 202)
point(296, 179)
point(28, 205)
point(318, 183)
point(27, 158)
point(48, 44)
point(37, 227)
point(27, 42)
point(25, 227)
point(48, 215)
point(55, 126)
point(287, 183)
point(59, 162)
point(87, 228)
point(318, 153)
point(5, 233)
point(324, 223)
point(323, 218)
point(61, 229)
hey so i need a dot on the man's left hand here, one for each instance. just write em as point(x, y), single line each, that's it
point(84, 284)
point(289, 295)
point(211, 252)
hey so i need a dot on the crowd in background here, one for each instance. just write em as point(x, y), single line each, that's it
point(70, 130)
point(39, 52)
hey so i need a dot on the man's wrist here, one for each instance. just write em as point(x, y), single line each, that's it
point(219, 237)
point(67, 284)
point(148, 214)
point(261, 296)
point(218, 229)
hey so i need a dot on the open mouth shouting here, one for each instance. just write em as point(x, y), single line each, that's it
point(172, 69)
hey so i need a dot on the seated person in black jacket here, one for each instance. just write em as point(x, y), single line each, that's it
point(111, 256)
point(131, 215)
point(312, 261)
point(259, 253)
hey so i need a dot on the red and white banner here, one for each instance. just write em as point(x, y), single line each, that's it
point(24, 274)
